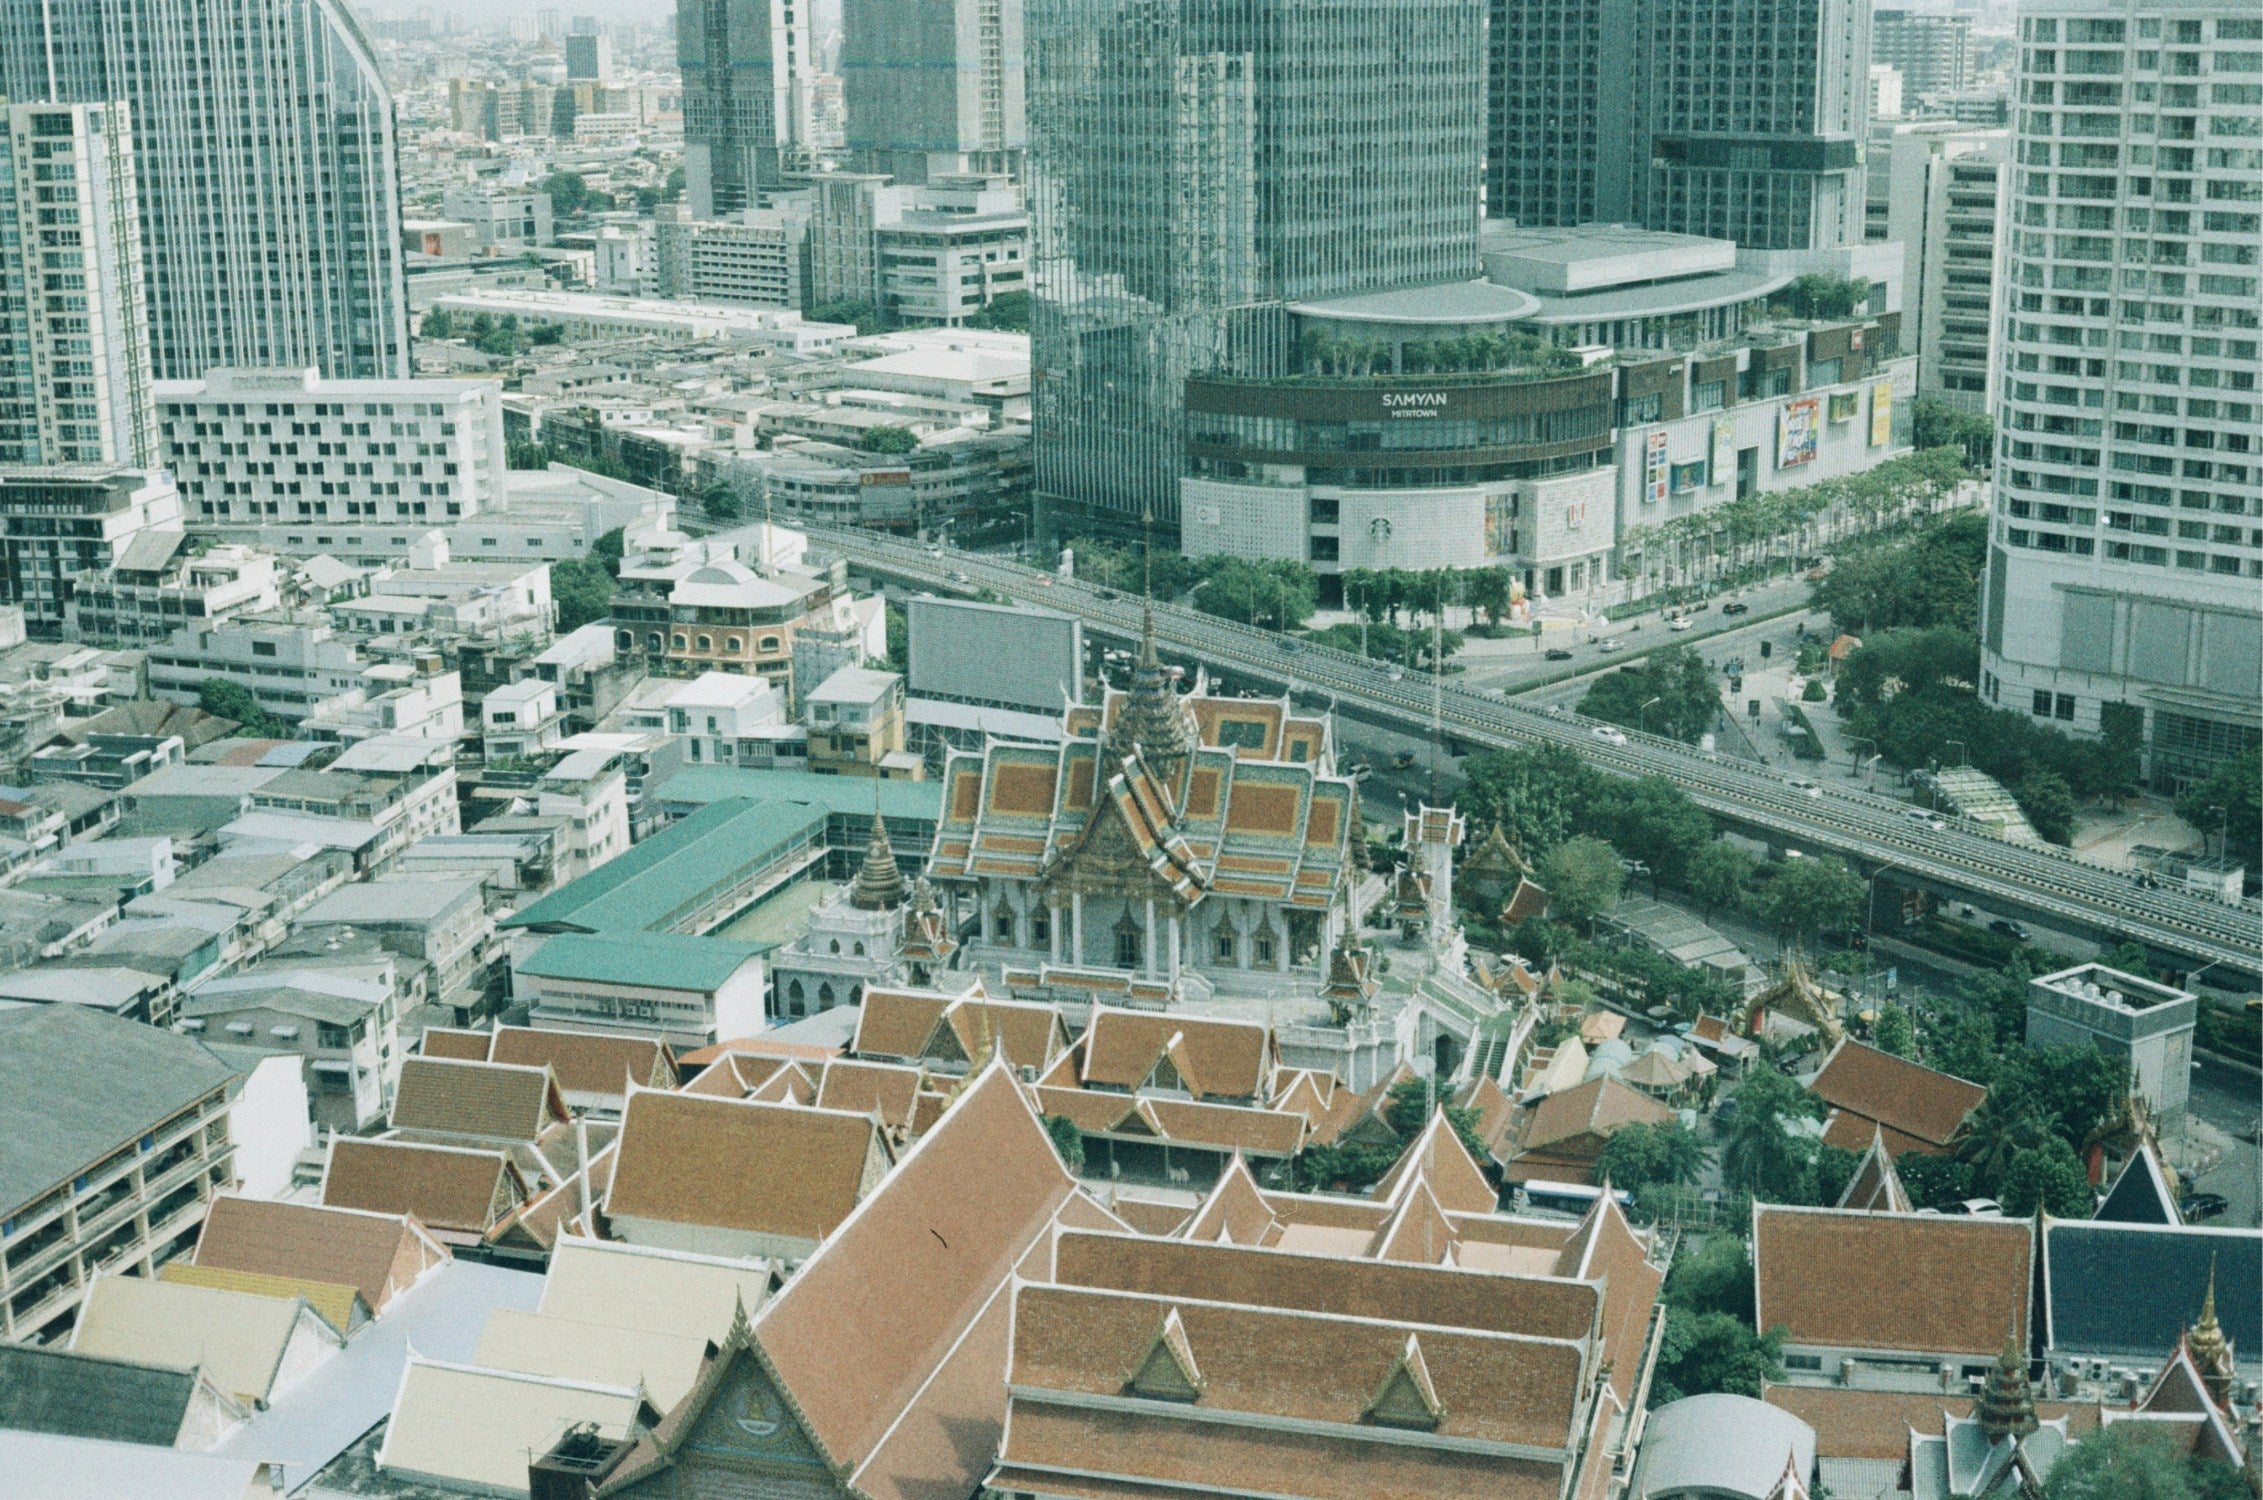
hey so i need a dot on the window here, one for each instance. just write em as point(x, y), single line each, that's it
point(2065, 707)
point(1223, 945)
point(2042, 709)
point(1002, 924)
point(1127, 934)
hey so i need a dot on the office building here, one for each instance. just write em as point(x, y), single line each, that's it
point(265, 156)
point(2122, 596)
point(1734, 119)
point(1939, 190)
point(505, 218)
point(589, 56)
point(1930, 49)
point(934, 87)
point(1752, 115)
point(264, 447)
point(57, 523)
point(756, 258)
point(747, 68)
point(74, 335)
point(1192, 172)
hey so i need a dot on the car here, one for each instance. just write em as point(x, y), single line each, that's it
point(1925, 818)
point(1557, 653)
point(1106, 596)
point(1733, 667)
point(1291, 645)
point(2198, 1206)
point(1976, 1208)
point(1556, 710)
point(1402, 760)
point(1608, 735)
point(1613, 644)
point(1684, 623)
point(958, 577)
point(2006, 927)
point(1736, 609)
point(1360, 770)
point(1395, 673)
point(1805, 787)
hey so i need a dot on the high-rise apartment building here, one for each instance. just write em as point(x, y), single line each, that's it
point(2123, 594)
point(264, 149)
point(1194, 167)
point(1734, 119)
point(1940, 190)
point(1752, 119)
point(74, 325)
point(934, 87)
point(1930, 49)
point(747, 69)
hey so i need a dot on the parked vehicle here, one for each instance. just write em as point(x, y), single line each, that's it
point(1608, 735)
point(1558, 653)
point(1612, 644)
point(1926, 818)
point(2006, 927)
point(2198, 1206)
point(1806, 787)
point(1684, 623)
point(1736, 609)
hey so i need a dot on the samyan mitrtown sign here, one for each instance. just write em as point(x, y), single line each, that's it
point(1413, 403)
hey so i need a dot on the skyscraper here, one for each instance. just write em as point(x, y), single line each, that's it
point(74, 326)
point(1196, 165)
point(264, 147)
point(1929, 49)
point(934, 87)
point(1736, 119)
point(746, 66)
point(2122, 594)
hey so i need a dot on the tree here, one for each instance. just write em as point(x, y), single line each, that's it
point(2129, 1461)
point(1909, 660)
point(1583, 877)
point(2006, 1124)
point(1933, 1181)
point(888, 440)
point(1700, 1353)
point(1895, 1031)
point(2229, 800)
point(1670, 692)
point(1068, 1141)
point(500, 338)
point(2049, 804)
point(569, 193)
point(1834, 1168)
point(1716, 1278)
point(1410, 1105)
point(1008, 312)
point(1809, 897)
point(1489, 591)
point(1276, 593)
point(1822, 296)
point(1539, 796)
point(1652, 820)
point(438, 324)
point(1936, 424)
point(1637, 1156)
point(864, 316)
point(1718, 874)
point(606, 552)
point(232, 700)
point(2049, 1177)
point(583, 592)
point(720, 501)
point(1932, 579)
point(1764, 1155)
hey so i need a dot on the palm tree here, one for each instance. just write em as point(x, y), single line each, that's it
point(2005, 1124)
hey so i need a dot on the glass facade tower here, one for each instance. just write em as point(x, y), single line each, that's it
point(264, 143)
point(1195, 166)
point(747, 67)
point(2125, 568)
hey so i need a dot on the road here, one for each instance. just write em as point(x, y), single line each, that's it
point(1868, 828)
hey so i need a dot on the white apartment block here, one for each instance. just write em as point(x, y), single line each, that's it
point(1941, 191)
point(585, 316)
point(158, 586)
point(291, 668)
point(2123, 592)
point(264, 447)
point(754, 259)
point(74, 378)
point(503, 217)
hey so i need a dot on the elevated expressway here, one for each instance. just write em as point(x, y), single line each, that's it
point(1875, 833)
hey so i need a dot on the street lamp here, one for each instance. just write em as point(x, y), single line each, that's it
point(1645, 712)
point(1870, 913)
point(1861, 739)
point(2223, 833)
point(1964, 753)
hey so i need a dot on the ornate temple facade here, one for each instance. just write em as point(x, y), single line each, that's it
point(1191, 840)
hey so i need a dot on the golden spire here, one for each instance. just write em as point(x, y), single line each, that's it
point(2211, 1350)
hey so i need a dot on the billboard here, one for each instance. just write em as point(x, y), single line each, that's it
point(1689, 476)
point(1654, 467)
point(1844, 404)
point(1798, 426)
point(1724, 450)
point(993, 654)
point(1881, 414)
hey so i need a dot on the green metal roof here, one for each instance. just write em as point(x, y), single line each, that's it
point(658, 881)
point(835, 794)
point(659, 960)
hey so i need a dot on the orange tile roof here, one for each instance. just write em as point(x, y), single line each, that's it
point(1918, 1282)
point(778, 1169)
point(1907, 1098)
point(477, 1100)
point(587, 1062)
point(1876, 1424)
point(884, 1089)
point(1230, 1059)
point(447, 1188)
point(378, 1255)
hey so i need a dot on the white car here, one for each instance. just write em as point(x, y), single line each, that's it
point(1806, 788)
point(1612, 644)
point(1684, 623)
point(1608, 735)
point(1926, 819)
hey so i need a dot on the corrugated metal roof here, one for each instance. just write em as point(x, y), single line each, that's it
point(656, 960)
point(659, 880)
point(700, 785)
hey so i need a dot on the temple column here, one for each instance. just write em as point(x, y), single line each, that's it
point(1076, 927)
point(1174, 930)
point(1147, 937)
point(1281, 945)
point(1053, 930)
